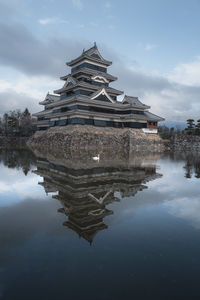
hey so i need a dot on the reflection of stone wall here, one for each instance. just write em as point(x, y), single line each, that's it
point(83, 158)
point(87, 137)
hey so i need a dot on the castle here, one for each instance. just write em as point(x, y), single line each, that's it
point(86, 98)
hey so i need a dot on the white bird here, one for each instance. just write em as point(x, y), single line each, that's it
point(96, 157)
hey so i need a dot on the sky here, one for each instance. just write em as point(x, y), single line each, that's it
point(154, 46)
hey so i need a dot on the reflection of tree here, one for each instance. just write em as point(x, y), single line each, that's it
point(192, 163)
point(188, 169)
point(197, 169)
point(86, 192)
point(192, 166)
point(19, 159)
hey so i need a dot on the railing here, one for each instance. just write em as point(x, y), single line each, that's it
point(152, 126)
point(150, 130)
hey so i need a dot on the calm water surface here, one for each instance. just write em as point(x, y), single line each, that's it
point(120, 228)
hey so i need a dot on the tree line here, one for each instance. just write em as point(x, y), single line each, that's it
point(191, 129)
point(17, 123)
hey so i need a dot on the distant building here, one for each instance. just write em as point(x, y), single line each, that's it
point(87, 99)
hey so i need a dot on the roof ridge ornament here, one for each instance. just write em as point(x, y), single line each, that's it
point(47, 95)
point(90, 53)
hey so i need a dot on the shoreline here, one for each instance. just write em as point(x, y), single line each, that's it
point(12, 142)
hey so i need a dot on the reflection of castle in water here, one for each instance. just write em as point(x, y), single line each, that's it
point(86, 187)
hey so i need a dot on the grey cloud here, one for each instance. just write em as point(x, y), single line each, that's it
point(168, 99)
point(23, 51)
point(5, 10)
point(171, 100)
point(182, 106)
point(134, 81)
point(11, 100)
point(37, 57)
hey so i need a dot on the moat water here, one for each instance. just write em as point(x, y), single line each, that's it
point(72, 227)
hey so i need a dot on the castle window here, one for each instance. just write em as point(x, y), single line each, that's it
point(89, 66)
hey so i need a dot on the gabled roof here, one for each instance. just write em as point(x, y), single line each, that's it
point(134, 101)
point(71, 80)
point(49, 99)
point(92, 54)
point(101, 91)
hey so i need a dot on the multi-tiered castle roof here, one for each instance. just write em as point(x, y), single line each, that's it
point(87, 98)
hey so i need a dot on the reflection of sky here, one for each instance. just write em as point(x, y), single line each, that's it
point(177, 194)
point(15, 186)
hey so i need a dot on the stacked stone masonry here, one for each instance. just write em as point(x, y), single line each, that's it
point(185, 142)
point(77, 137)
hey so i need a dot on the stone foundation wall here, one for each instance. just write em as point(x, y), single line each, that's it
point(77, 137)
point(186, 143)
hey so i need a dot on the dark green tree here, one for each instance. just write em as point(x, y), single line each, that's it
point(191, 126)
point(5, 124)
point(26, 126)
point(190, 123)
point(197, 130)
point(17, 123)
point(1, 126)
point(14, 122)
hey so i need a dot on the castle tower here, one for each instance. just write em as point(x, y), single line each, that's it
point(87, 98)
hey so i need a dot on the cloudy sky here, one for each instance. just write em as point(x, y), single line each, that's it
point(154, 46)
